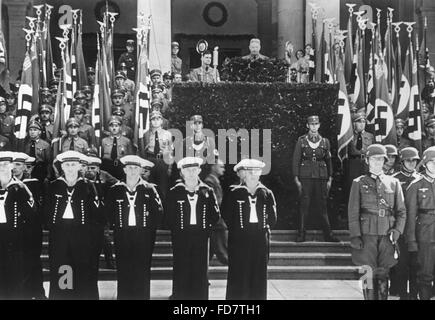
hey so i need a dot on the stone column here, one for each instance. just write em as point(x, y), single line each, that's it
point(160, 40)
point(290, 24)
point(17, 45)
point(265, 25)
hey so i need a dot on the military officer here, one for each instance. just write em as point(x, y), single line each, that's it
point(249, 210)
point(312, 169)
point(254, 51)
point(72, 207)
point(118, 100)
point(32, 231)
point(129, 58)
point(86, 131)
point(120, 85)
point(46, 96)
point(355, 165)
point(91, 76)
point(126, 131)
point(39, 149)
point(402, 141)
point(16, 206)
point(176, 62)
point(156, 76)
point(391, 166)
point(191, 212)
point(197, 144)
point(429, 138)
point(72, 140)
point(7, 121)
point(406, 268)
point(158, 149)
point(135, 211)
point(205, 73)
point(377, 216)
point(11, 101)
point(420, 202)
point(115, 147)
point(45, 114)
point(81, 98)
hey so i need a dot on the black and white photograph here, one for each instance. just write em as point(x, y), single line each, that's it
point(217, 154)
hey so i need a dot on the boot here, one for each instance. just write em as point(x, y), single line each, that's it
point(330, 238)
point(382, 289)
point(301, 236)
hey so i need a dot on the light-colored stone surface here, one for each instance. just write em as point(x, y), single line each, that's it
point(277, 289)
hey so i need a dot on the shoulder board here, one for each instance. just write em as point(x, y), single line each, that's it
point(359, 178)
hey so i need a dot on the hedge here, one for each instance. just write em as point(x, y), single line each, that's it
point(278, 106)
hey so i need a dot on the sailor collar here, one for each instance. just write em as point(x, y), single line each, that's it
point(199, 185)
point(140, 182)
point(243, 186)
point(62, 178)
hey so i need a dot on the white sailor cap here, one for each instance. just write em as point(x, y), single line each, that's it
point(20, 157)
point(30, 160)
point(84, 159)
point(6, 156)
point(94, 161)
point(136, 160)
point(69, 156)
point(189, 162)
point(249, 164)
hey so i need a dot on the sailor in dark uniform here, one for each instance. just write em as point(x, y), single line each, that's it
point(72, 206)
point(191, 211)
point(249, 210)
point(16, 206)
point(33, 230)
point(135, 211)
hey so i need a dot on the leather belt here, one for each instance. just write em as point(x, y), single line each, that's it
point(380, 212)
point(313, 159)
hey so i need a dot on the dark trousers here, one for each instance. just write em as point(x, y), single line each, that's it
point(219, 242)
point(314, 191)
point(32, 260)
point(425, 267)
point(107, 247)
point(247, 265)
point(11, 265)
point(159, 175)
point(378, 253)
point(96, 244)
point(190, 281)
point(70, 245)
point(404, 271)
point(134, 249)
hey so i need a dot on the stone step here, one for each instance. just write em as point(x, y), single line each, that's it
point(274, 272)
point(275, 246)
point(275, 259)
point(277, 235)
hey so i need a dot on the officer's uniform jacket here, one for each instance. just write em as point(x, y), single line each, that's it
point(420, 204)
point(237, 208)
point(148, 206)
point(312, 161)
point(203, 150)
point(80, 145)
point(165, 141)
point(5, 145)
point(42, 150)
point(48, 131)
point(178, 211)
point(367, 139)
point(254, 58)
point(87, 133)
point(209, 75)
point(130, 61)
point(124, 147)
point(405, 178)
point(376, 206)
point(403, 142)
point(19, 206)
point(84, 201)
point(7, 125)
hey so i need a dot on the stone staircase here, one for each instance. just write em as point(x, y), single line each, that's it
point(313, 259)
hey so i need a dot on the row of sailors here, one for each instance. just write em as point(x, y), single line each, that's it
point(75, 209)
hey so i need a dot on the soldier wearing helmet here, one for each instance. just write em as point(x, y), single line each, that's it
point(420, 224)
point(377, 217)
point(391, 165)
point(406, 268)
